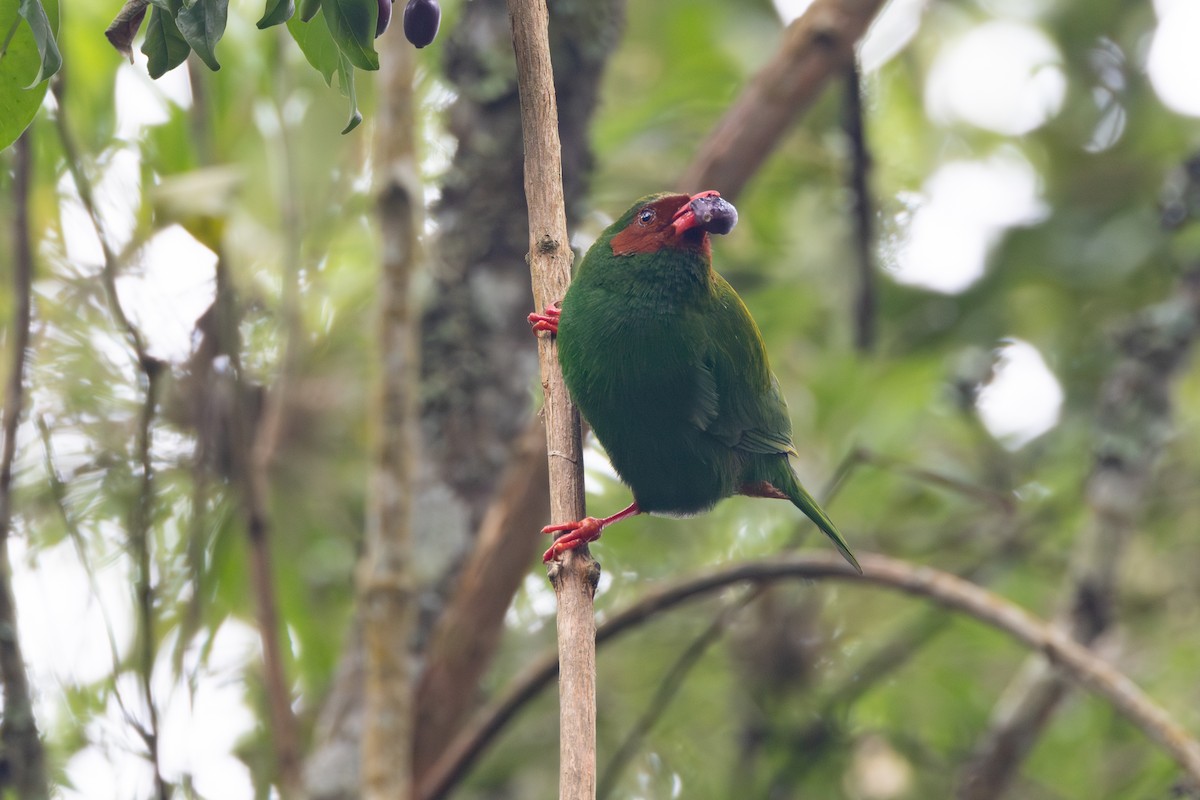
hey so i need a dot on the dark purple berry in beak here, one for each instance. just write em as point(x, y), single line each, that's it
point(714, 214)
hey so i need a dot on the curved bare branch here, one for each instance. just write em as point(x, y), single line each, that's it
point(950, 591)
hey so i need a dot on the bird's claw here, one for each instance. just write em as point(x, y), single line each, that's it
point(577, 535)
point(548, 321)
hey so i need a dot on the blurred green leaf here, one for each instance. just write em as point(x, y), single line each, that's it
point(50, 60)
point(277, 13)
point(165, 47)
point(22, 64)
point(352, 25)
point(346, 73)
point(317, 44)
point(203, 24)
point(18, 66)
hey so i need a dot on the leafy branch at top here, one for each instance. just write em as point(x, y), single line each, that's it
point(335, 35)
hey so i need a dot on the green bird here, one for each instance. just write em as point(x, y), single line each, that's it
point(665, 362)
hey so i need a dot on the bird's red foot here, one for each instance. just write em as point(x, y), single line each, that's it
point(578, 534)
point(547, 321)
point(585, 530)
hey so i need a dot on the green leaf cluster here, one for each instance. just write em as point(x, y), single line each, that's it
point(29, 56)
point(336, 36)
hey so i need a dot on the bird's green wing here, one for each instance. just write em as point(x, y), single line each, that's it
point(736, 397)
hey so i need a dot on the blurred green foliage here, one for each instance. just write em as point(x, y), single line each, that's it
point(28, 56)
point(300, 209)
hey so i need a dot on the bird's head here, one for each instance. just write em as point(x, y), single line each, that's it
point(672, 222)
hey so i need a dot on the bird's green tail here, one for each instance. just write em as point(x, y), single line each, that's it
point(805, 502)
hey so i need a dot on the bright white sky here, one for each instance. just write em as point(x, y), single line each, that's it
point(1004, 76)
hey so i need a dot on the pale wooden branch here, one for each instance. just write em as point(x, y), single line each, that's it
point(951, 592)
point(816, 47)
point(574, 576)
point(24, 759)
point(478, 352)
point(385, 584)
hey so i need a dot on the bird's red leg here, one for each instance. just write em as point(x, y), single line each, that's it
point(585, 530)
point(547, 321)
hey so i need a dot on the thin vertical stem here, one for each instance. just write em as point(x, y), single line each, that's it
point(18, 731)
point(150, 369)
point(865, 300)
point(139, 539)
point(385, 585)
point(575, 576)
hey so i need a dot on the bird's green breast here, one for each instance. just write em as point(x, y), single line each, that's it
point(628, 350)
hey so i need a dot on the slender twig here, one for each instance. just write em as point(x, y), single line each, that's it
point(108, 274)
point(251, 438)
point(25, 758)
point(263, 447)
point(865, 301)
point(574, 576)
point(58, 492)
point(1004, 503)
point(252, 488)
point(144, 588)
point(858, 457)
point(283, 721)
point(386, 594)
point(194, 561)
point(951, 592)
point(140, 520)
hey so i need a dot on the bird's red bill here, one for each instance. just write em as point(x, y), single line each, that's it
point(685, 218)
point(707, 211)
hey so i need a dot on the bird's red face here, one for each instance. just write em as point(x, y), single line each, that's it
point(675, 221)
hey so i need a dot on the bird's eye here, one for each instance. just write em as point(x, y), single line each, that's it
point(646, 216)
